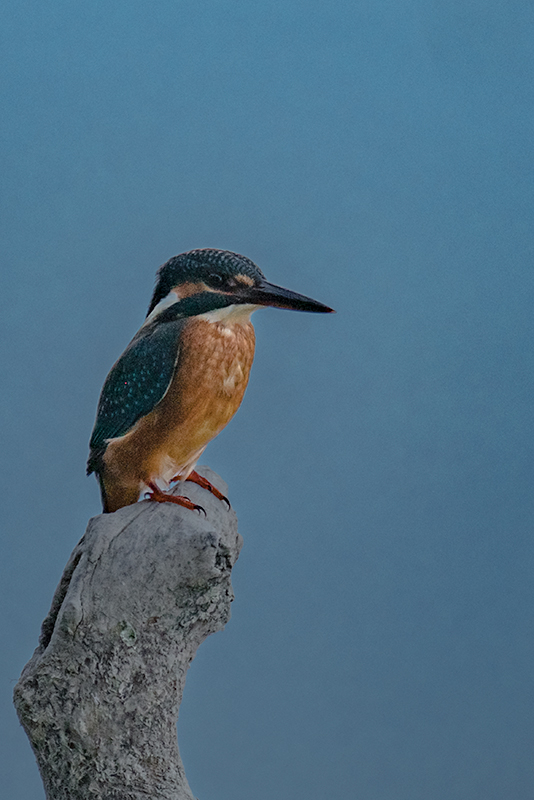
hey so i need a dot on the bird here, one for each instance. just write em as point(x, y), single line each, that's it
point(182, 377)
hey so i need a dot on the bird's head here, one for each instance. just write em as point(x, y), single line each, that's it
point(219, 279)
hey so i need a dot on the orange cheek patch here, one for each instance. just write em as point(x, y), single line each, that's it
point(188, 289)
point(245, 279)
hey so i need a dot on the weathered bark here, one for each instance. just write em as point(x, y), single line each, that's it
point(99, 699)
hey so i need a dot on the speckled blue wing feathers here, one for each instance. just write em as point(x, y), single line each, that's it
point(135, 385)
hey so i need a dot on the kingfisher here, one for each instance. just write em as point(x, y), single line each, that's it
point(182, 377)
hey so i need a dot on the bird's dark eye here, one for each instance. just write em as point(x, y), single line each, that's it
point(218, 281)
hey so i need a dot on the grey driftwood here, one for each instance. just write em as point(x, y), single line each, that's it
point(99, 699)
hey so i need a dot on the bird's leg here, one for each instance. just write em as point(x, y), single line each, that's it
point(194, 477)
point(159, 496)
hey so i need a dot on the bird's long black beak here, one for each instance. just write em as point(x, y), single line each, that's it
point(268, 294)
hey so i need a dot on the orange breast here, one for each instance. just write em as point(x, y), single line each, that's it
point(207, 389)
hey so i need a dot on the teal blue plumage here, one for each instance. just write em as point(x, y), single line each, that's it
point(135, 385)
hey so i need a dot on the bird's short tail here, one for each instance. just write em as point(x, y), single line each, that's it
point(113, 495)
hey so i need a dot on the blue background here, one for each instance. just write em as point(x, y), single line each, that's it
point(374, 155)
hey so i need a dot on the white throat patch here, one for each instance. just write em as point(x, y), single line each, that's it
point(229, 315)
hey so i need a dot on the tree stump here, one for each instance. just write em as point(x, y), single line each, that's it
point(99, 699)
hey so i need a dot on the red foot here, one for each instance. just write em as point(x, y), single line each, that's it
point(194, 477)
point(162, 497)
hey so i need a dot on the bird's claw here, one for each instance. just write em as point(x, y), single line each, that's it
point(204, 483)
point(159, 496)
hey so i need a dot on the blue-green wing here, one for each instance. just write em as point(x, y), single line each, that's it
point(135, 385)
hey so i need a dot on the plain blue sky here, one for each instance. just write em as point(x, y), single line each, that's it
point(377, 156)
